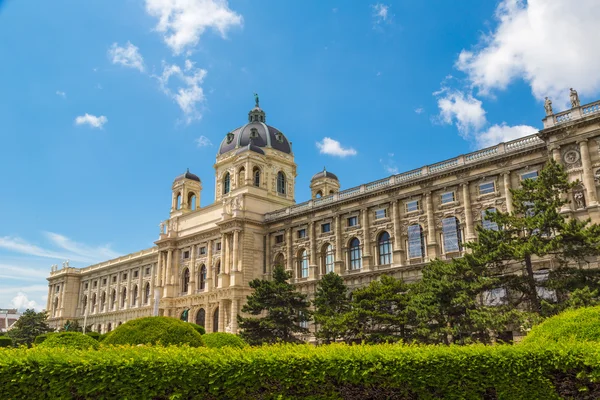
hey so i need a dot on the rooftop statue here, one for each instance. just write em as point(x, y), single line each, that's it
point(256, 99)
point(548, 107)
point(574, 98)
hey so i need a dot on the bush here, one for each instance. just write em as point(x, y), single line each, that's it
point(5, 341)
point(156, 331)
point(71, 340)
point(216, 340)
point(103, 336)
point(93, 335)
point(199, 328)
point(581, 324)
point(40, 338)
point(335, 371)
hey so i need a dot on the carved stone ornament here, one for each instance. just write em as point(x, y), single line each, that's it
point(571, 157)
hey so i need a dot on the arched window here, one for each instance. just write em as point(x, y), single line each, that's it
point(201, 317)
point(355, 254)
point(109, 327)
point(113, 299)
point(84, 305)
point(303, 263)
point(328, 258)
point(241, 177)
point(280, 182)
point(192, 201)
point(256, 177)
point(94, 303)
point(99, 328)
point(217, 269)
point(226, 183)
point(123, 297)
point(385, 248)
point(216, 320)
point(178, 203)
point(416, 243)
point(451, 233)
point(280, 260)
point(135, 295)
point(55, 307)
point(185, 284)
point(147, 293)
point(202, 280)
point(103, 302)
point(319, 194)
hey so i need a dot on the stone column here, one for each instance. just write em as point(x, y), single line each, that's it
point(236, 274)
point(119, 291)
point(398, 251)
point(221, 316)
point(225, 261)
point(168, 273)
point(507, 193)
point(431, 238)
point(208, 322)
point(290, 252)
point(89, 298)
point(158, 272)
point(234, 313)
point(193, 273)
point(366, 259)
point(209, 266)
point(268, 254)
point(339, 256)
point(588, 175)
point(313, 268)
point(141, 288)
point(469, 229)
point(129, 296)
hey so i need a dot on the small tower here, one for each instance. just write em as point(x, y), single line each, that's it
point(324, 183)
point(186, 193)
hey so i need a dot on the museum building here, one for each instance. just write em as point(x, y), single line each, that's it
point(205, 257)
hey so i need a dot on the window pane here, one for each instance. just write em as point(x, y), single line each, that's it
point(415, 241)
point(488, 187)
point(412, 206)
point(329, 260)
point(355, 254)
point(304, 264)
point(381, 213)
point(486, 223)
point(326, 228)
point(385, 249)
point(352, 221)
point(451, 232)
point(529, 175)
point(447, 197)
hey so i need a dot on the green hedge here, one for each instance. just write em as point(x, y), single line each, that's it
point(199, 328)
point(71, 340)
point(154, 330)
point(5, 341)
point(40, 338)
point(93, 335)
point(216, 340)
point(581, 324)
point(290, 372)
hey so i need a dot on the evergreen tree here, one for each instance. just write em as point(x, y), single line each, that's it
point(28, 326)
point(281, 307)
point(536, 229)
point(379, 312)
point(331, 302)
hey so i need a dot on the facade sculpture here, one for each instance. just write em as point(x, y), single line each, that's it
point(574, 97)
point(548, 107)
point(204, 258)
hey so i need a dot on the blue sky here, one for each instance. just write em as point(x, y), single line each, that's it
point(103, 103)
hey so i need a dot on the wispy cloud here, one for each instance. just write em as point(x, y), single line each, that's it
point(334, 148)
point(381, 13)
point(203, 141)
point(91, 120)
point(186, 91)
point(19, 272)
point(61, 94)
point(128, 56)
point(419, 110)
point(389, 164)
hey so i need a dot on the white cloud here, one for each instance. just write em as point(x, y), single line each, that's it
point(502, 133)
point(187, 93)
point(61, 94)
point(419, 110)
point(552, 45)
point(334, 148)
point(182, 22)
point(462, 109)
point(203, 141)
point(389, 164)
point(129, 56)
point(18, 272)
point(380, 12)
point(22, 302)
point(91, 120)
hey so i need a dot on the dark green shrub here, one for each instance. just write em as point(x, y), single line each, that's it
point(93, 335)
point(5, 341)
point(40, 338)
point(156, 331)
point(581, 324)
point(103, 336)
point(199, 328)
point(71, 340)
point(216, 340)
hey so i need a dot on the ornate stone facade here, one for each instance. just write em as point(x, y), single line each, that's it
point(205, 257)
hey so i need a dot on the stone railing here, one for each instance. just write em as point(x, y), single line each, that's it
point(416, 174)
point(128, 257)
point(573, 114)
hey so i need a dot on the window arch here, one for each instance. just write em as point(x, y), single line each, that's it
point(384, 246)
point(217, 269)
point(178, 202)
point(355, 254)
point(328, 258)
point(216, 320)
point(303, 263)
point(451, 234)
point(241, 177)
point(103, 302)
point(279, 260)
point(55, 307)
point(113, 299)
point(185, 281)
point(226, 183)
point(123, 297)
point(192, 201)
point(416, 242)
point(84, 304)
point(256, 175)
point(202, 280)
point(109, 327)
point(134, 295)
point(147, 293)
point(201, 317)
point(94, 303)
point(280, 182)
point(319, 194)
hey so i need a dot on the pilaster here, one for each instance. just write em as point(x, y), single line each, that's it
point(431, 238)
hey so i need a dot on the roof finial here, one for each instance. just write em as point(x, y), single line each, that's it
point(256, 100)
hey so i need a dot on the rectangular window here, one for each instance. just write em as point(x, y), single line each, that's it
point(381, 213)
point(494, 297)
point(353, 221)
point(114, 280)
point(124, 276)
point(301, 233)
point(415, 241)
point(57, 288)
point(95, 284)
point(219, 246)
point(487, 224)
point(488, 187)
point(412, 206)
point(202, 250)
point(529, 175)
point(104, 281)
point(147, 270)
point(451, 232)
point(279, 239)
point(186, 254)
point(135, 274)
point(326, 227)
point(447, 197)
point(86, 285)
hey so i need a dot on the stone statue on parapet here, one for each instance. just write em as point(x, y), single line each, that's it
point(574, 98)
point(548, 107)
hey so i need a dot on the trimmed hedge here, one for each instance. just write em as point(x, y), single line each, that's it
point(93, 335)
point(5, 341)
point(71, 340)
point(581, 324)
point(199, 328)
point(216, 340)
point(163, 331)
point(40, 338)
point(335, 371)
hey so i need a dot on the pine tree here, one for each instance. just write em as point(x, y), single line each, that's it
point(281, 307)
point(331, 302)
point(28, 326)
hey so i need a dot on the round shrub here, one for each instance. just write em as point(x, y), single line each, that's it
point(93, 335)
point(199, 328)
point(156, 331)
point(5, 341)
point(581, 324)
point(72, 340)
point(216, 340)
point(40, 338)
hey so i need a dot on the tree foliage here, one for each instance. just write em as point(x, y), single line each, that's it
point(28, 326)
point(331, 302)
point(279, 308)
